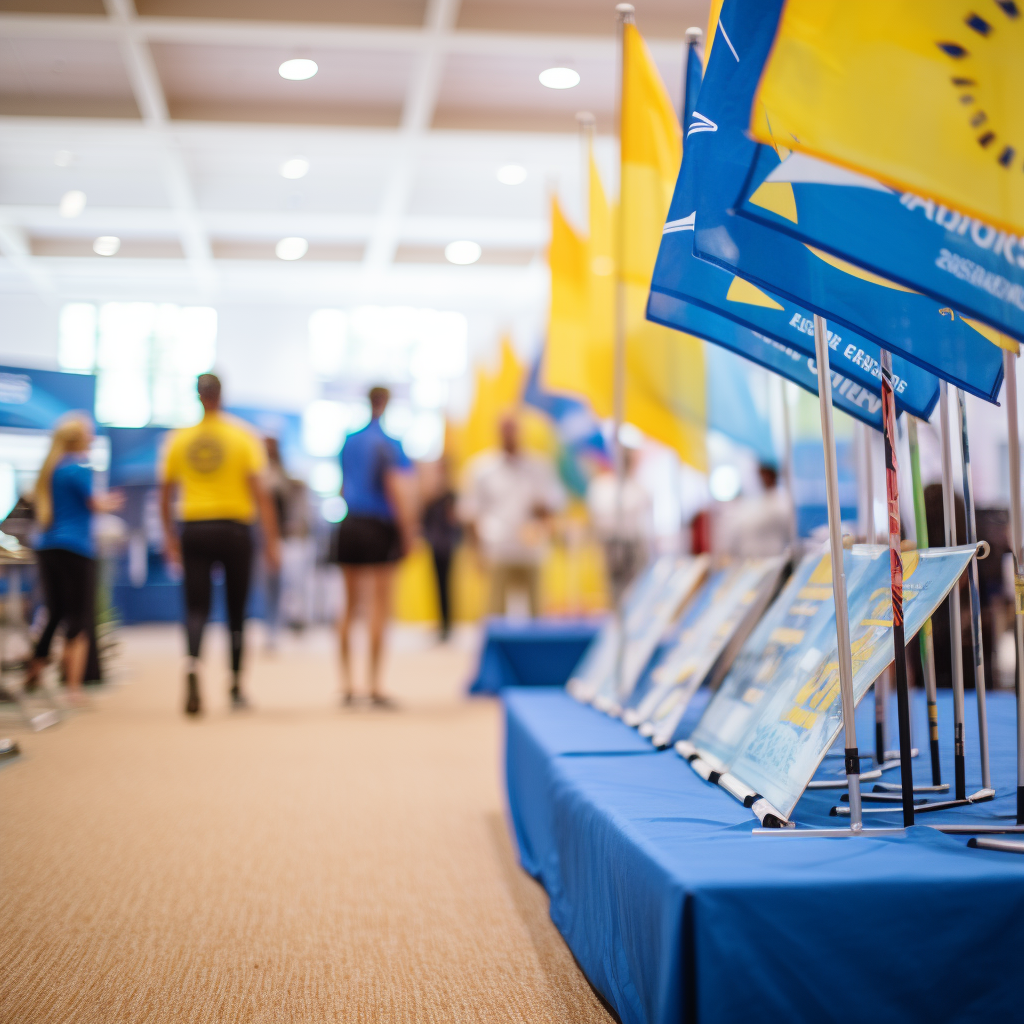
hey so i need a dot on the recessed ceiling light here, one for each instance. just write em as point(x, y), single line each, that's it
point(463, 252)
point(559, 78)
point(511, 174)
point(106, 245)
point(296, 167)
point(64, 158)
point(298, 69)
point(291, 248)
point(72, 203)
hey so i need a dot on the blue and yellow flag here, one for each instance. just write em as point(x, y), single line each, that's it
point(702, 299)
point(924, 95)
point(957, 260)
point(893, 316)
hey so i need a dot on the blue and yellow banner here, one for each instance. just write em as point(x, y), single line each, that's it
point(910, 239)
point(704, 300)
point(885, 312)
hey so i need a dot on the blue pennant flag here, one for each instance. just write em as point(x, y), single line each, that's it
point(891, 315)
point(700, 298)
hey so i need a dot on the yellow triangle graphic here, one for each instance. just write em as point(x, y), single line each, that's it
point(993, 335)
point(745, 292)
point(778, 197)
point(860, 272)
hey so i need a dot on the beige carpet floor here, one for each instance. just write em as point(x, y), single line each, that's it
point(297, 862)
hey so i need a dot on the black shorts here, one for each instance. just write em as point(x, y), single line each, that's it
point(367, 540)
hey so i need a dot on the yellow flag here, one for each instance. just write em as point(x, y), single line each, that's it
point(925, 95)
point(495, 394)
point(664, 381)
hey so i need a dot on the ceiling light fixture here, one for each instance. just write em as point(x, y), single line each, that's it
point(462, 253)
point(512, 174)
point(72, 203)
point(291, 248)
point(298, 69)
point(296, 167)
point(559, 78)
point(106, 245)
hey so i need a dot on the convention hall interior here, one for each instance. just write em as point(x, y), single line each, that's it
point(510, 511)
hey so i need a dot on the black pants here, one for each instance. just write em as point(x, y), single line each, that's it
point(205, 543)
point(69, 583)
point(442, 568)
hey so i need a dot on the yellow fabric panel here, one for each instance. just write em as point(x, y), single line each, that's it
point(709, 36)
point(212, 463)
point(665, 384)
point(749, 294)
point(566, 352)
point(923, 96)
point(652, 151)
point(778, 197)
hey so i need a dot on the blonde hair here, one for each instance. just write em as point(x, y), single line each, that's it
point(70, 435)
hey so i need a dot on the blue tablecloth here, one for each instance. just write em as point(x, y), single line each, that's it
point(677, 913)
point(542, 652)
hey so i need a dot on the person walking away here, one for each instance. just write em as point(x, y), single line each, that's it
point(625, 530)
point(758, 525)
point(64, 506)
point(442, 531)
point(215, 470)
point(375, 534)
point(509, 497)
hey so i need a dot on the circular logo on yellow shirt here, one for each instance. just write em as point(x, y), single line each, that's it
point(205, 454)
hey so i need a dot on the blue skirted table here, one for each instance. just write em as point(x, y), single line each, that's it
point(677, 913)
point(541, 652)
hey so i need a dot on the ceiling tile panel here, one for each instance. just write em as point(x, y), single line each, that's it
point(241, 83)
point(381, 12)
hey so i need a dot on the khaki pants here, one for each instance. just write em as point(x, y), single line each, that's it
point(505, 578)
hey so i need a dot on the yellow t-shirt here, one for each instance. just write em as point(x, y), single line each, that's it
point(211, 463)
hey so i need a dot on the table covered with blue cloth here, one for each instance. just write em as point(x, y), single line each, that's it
point(540, 652)
point(676, 912)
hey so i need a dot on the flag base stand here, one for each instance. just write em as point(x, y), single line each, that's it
point(919, 808)
point(875, 773)
point(895, 787)
point(830, 833)
point(1003, 845)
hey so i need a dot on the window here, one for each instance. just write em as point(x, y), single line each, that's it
point(146, 358)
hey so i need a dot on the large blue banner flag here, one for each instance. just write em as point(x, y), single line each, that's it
point(909, 239)
point(890, 314)
point(700, 298)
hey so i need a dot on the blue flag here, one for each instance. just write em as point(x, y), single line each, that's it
point(909, 239)
point(889, 314)
point(699, 298)
point(691, 81)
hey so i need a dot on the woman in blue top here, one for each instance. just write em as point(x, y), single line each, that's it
point(375, 533)
point(64, 504)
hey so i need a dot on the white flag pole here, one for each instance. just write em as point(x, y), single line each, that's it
point(835, 536)
point(974, 592)
point(1017, 539)
point(955, 640)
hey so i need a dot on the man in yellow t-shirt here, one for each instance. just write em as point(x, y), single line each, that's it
point(216, 469)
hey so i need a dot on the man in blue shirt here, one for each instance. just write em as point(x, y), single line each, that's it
point(375, 533)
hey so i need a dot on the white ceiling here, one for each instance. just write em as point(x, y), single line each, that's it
point(177, 122)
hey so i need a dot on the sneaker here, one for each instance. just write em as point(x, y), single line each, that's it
point(378, 700)
point(347, 700)
point(192, 702)
point(238, 699)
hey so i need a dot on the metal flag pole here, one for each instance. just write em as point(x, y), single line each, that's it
point(625, 16)
point(1017, 539)
point(835, 536)
point(896, 574)
point(975, 593)
point(881, 687)
point(955, 641)
point(787, 460)
point(925, 639)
